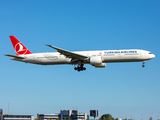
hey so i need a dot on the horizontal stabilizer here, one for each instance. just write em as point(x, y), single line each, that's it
point(17, 57)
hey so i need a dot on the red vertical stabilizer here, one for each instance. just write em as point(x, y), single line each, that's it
point(19, 48)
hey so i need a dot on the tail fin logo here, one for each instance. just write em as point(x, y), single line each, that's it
point(19, 48)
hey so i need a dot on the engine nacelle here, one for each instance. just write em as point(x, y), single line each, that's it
point(102, 65)
point(95, 60)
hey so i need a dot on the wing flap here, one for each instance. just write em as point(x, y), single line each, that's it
point(68, 53)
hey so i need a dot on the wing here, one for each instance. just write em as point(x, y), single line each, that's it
point(69, 54)
point(17, 57)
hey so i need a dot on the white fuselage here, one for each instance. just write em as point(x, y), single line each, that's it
point(107, 56)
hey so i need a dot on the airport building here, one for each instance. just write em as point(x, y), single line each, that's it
point(1, 114)
point(64, 114)
point(15, 117)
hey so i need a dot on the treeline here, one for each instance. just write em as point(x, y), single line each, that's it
point(103, 117)
point(109, 117)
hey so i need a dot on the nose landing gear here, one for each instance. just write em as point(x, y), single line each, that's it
point(143, 64)
point(80, 68)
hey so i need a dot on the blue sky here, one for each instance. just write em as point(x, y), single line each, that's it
point(121, 89)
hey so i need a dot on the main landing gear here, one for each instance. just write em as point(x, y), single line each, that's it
point(80, 68)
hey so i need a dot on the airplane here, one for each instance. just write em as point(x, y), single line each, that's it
point(98, 59)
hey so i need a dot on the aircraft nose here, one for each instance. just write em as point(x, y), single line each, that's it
point(153, 56)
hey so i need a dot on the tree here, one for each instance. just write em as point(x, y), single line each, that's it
point(106, 117)
point(69, 118)
point(37, 118)
point(150, 118)
point(87, 117)
point(116, 119)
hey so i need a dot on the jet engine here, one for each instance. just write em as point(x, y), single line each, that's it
point(95, 60)
point(102, 65)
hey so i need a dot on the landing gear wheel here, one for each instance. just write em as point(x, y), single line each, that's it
point(80, 67)
point(143, 66)
point(75, 68)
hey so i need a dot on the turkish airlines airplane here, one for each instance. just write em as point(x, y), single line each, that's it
point(94, 58)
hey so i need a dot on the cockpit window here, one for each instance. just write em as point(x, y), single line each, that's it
point(150, 53)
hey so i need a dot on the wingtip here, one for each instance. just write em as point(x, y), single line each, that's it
point(6, 54)
point(47, 45)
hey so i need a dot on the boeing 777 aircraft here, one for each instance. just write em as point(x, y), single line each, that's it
point(94, 58)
